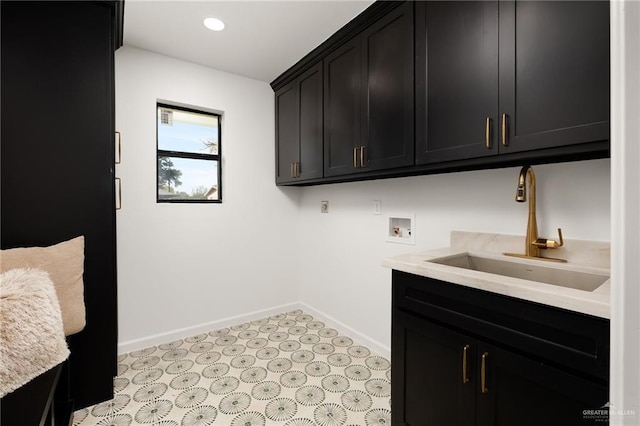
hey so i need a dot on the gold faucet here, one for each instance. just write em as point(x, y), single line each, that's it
point(533, 243)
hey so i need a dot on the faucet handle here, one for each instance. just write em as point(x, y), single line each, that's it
point(543, 243)
point(560, 243)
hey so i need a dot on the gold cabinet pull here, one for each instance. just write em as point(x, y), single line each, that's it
point(119, 193)
point(296, 170)
point(487, 133)
point(291, 170)
point(483, 373)
point(465, 377)
point(355, 157)
point(505, 139)
point(362, 163)
point(118, 147)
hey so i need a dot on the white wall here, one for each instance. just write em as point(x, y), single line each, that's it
point(341, 251)
point(188, 265)
point(184, 268)
point(332, 261)
point(625, 213)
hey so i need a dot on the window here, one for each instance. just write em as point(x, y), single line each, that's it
point(188, 155)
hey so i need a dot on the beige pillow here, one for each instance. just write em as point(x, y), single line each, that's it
point(65, 264)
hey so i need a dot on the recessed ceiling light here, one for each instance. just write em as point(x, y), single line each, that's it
point(214, 24)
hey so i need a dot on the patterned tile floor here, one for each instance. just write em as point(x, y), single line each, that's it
point(288, 369)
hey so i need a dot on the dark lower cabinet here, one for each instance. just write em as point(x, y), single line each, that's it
point(432, 390)
point(57, 168)
point(465, 357)
point(522, 391)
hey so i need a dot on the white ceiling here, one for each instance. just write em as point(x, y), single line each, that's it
point(261, 40)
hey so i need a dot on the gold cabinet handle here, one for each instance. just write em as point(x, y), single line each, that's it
point(505, 139)
point(483, 373)
point(465, 377)
point(355, 157)
point(362, 163)
point(487, 133)
point(296, 169)
point(291, 170)
point(119, 192)
point(118, 148)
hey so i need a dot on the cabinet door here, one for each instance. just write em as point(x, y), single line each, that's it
point(342, 109)
point(520, 391)
point(57, 163)
point(388, 93)
point(456, 80)
point(310, 88)
point(299, 128)
point(554, 73)
point(427, 370)
point(287, 132)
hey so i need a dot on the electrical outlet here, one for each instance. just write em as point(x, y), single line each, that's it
point(324, 207)
point(377, 206)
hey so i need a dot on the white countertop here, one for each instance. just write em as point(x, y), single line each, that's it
point(596, 303)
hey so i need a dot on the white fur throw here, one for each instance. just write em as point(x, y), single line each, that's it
point(32, 337)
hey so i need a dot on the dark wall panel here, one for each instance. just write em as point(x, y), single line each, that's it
point(57, 160)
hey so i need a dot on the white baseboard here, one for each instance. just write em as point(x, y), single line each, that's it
point(157, 339)
point(345, 330)
point(181, 333)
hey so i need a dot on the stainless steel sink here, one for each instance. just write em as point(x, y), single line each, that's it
point(548, 274)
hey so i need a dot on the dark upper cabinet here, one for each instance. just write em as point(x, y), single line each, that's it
point(368, 87)
point(554, 73)
point(510, 77)
point(413, 88)
point(387, 63)
point(57, 172)
point(287, 133)
point(342, 109)
point(456, 79)
point(299, 128)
